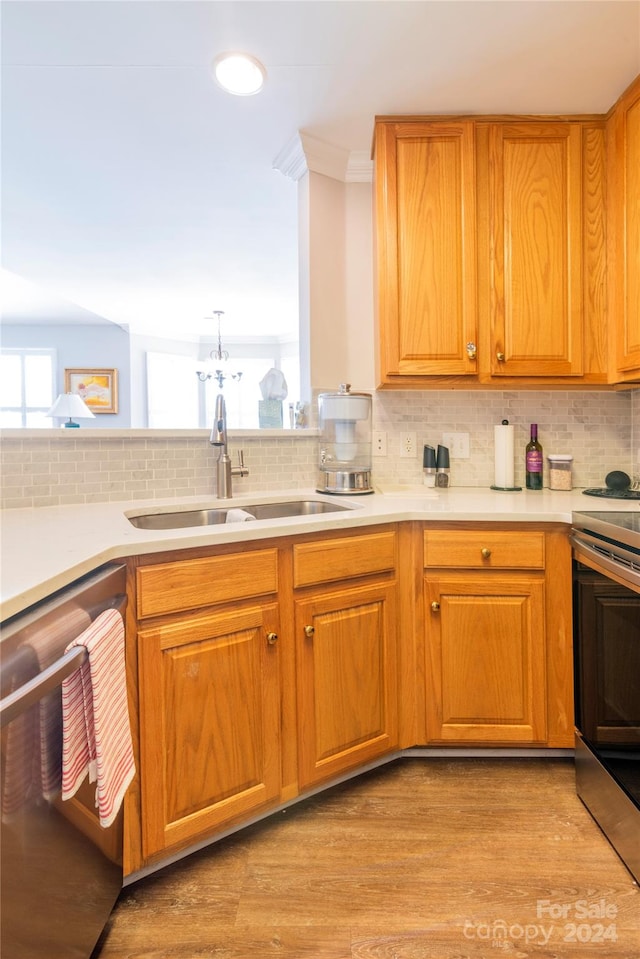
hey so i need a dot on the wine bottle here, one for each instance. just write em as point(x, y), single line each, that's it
point(533, 457)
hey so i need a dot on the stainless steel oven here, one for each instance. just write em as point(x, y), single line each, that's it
point(606, 580)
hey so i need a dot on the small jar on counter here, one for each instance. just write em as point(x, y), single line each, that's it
point(560, 471)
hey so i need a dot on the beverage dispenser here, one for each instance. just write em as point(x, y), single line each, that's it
point(345, 441)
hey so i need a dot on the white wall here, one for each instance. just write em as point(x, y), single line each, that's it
point(327, 282)
point(340, 283)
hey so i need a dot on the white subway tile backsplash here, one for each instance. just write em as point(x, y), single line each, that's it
point(594, 427)
point(600, 429)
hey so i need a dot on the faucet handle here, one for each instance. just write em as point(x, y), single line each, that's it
point(241, 469)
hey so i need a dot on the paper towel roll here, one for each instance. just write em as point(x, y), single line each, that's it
point(504, 463)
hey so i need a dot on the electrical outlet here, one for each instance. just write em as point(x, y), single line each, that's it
point(379, 443)
point(408, 444)
point(458, 445)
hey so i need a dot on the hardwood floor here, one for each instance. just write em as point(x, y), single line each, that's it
point(421, 859)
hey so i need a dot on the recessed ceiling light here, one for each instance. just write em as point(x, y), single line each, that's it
point(239, 73)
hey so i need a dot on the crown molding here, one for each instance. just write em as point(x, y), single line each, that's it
point(359, 167)
point(305, 153)
point(291, 160)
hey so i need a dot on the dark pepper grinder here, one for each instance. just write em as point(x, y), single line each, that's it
point(442, 467)
point(429, 466)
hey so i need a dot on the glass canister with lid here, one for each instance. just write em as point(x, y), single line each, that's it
point(560, 473)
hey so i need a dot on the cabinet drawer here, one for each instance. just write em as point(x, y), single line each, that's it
point(329, 560)
point(171, 587)
point(475, 549)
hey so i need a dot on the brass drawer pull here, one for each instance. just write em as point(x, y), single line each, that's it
point(309, 631)
point(435, 606)
point(500, 357)
point(471, 351)
point(486, 553)
point(272, 638)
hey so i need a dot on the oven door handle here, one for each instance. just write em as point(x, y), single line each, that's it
point(45, 682)
point(595, 559)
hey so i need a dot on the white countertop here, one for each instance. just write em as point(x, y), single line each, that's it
point(44, 549)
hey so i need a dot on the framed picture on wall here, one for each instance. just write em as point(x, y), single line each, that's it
point(98, 388)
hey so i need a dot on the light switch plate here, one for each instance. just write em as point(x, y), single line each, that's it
point(379, 443)
point(458, 444)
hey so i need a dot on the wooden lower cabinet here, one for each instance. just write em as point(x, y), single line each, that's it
point(209, 722)
point(498, 636)
point(486, 674)
point(244, 700)
point(347, 679)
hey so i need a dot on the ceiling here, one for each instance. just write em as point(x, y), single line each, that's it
point(135, 190)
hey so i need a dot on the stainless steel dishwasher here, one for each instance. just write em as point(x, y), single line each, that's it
point(61, 872)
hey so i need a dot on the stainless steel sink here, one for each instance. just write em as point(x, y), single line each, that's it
point(218, 515)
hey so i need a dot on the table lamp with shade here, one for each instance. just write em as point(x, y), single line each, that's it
point(70, 404)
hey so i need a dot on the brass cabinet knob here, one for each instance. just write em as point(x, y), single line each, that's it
point(272, 638)
point(435, 606)
point(500, 357)
point(472, 351)
point(486, 553)
point(309, 630)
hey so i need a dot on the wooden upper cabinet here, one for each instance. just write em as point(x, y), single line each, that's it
point(535, 214)
point(624, 233)
point(426, 257)
point(491, 252)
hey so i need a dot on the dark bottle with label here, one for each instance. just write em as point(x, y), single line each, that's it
point(534, 460)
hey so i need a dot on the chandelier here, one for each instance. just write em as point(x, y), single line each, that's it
point(219, 357)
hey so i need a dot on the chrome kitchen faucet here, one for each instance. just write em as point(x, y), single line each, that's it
point(224, 469)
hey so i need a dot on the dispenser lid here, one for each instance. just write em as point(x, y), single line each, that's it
point(343, 390)
point(344, 405)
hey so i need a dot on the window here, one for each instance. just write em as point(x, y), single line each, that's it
point(176, 398)
point(242, 395)
point(172, 392)
point(27, 388)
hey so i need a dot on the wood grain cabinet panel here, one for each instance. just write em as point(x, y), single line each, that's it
point(326, 560)
point(624, 226)
point(490, 549)
point(536, 239)
point(425, 214)
point(209, 723)
point(192, 583)
point(346, 643)
point(486, 659)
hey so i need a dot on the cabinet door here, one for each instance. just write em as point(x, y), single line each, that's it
point(624, 188)
point(209, 722)
point(347, 696)
point(535, 210)
point(426, 233)
point(486, 677)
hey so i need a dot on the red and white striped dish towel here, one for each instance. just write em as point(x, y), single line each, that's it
point(96, 736)
point(34, 738)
